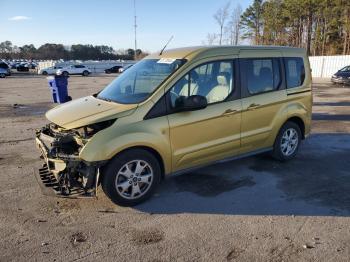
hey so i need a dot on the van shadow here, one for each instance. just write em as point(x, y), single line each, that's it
point(316, 183)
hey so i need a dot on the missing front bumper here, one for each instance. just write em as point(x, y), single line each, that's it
point(50, 186)
point(65, 176)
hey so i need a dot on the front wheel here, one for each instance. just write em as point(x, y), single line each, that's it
point(287, 142)
point(65, 73)
point(131, 177)
point(85, 73)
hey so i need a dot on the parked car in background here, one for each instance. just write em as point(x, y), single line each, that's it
point(23, 67)
point(342, 76)
point(49, 70)
point(114, 69)
point(125, 68)
point(32, 65)
point(74, 70)
point(6, 67)
point(3, 72)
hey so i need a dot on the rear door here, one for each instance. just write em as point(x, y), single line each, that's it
point(75, 69)
point(79, 69)
point(263, 97)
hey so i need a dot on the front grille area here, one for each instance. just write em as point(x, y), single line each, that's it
point(47, 181)
point(51, 186)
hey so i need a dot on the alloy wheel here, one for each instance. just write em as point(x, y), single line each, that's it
point(289, 141)
point(134, 179)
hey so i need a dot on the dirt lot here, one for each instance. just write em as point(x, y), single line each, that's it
point(254, 209)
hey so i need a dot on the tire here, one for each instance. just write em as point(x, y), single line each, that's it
point(65, 73)
point(108, 71)
point(287, 142)
point(2, 75)
point(85, 73)
point(122, 184)
point(45, 73)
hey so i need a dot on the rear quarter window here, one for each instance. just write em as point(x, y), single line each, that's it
point(295, 71)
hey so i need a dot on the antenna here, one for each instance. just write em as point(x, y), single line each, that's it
point(171, 38)
point(135, 25)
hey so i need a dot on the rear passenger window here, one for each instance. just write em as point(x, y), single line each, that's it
point(295, 71)
point(260, 74)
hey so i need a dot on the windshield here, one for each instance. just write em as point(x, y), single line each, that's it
point(140, 81)
point(344, 69)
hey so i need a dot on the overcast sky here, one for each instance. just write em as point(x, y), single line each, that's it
point(110, 22)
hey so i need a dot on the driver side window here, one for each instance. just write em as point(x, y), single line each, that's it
point(212, 80)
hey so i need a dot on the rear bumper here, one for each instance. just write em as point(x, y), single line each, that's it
point(340, 80)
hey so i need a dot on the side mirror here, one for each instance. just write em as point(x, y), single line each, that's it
point(191, 103)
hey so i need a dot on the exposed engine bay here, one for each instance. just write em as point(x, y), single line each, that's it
point(64, 173)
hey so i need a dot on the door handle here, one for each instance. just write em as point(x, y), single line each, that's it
point(253, 106)
point(229, 112)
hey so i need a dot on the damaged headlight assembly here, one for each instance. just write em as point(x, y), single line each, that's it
point(64, 173)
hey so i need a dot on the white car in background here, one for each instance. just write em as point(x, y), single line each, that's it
point(74, 70)
point(49, 70)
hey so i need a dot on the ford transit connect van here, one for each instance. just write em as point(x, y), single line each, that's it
point(175, 111)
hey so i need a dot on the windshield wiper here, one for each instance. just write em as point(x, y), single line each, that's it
point(105, 99)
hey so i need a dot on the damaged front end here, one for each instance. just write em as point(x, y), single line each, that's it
point(64, 173)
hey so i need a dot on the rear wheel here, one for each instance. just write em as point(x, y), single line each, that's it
point(45, 73)
point(108, 71)
point(2, 75)
point(65, 73)
point(287, 142)
point(85, 73)
point(131, 177)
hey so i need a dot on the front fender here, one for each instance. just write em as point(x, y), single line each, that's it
point(107, 143)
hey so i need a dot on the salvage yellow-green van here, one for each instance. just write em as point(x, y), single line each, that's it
point(175, 111)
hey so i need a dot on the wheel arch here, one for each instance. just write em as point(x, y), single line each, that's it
point(300, 122)
point(149, 149)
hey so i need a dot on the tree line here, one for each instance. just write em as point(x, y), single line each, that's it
point(320, 26)
point(58, 51)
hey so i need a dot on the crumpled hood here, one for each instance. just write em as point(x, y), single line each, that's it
point(87, 110)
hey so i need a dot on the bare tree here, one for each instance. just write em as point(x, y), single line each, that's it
point(220, 17)
point(211, 39)
point(233, 28)
point(236, 23)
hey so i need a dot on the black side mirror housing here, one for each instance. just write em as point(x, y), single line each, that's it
point(191, 103)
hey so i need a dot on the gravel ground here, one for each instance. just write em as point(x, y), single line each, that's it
point(254, 209)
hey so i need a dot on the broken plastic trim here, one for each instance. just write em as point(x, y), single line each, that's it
point(90, 130)
point(64, 173)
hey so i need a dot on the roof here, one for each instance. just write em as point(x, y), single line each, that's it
point(194, 51)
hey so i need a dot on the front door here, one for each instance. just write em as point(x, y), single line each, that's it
point(202, 136)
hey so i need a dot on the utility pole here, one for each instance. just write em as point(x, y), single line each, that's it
point(135, 25)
